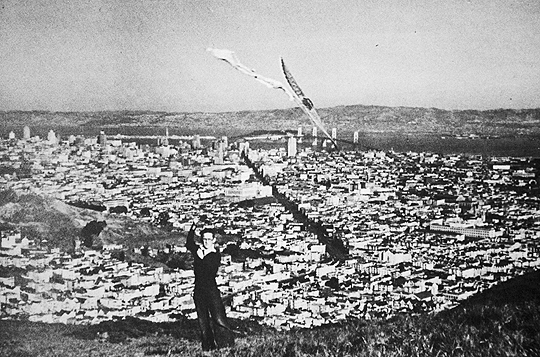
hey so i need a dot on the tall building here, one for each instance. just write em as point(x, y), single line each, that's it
point(26, 132)
point(291, 146)
point(102, 139)
point(243, 147)
point(334, 133)
point(165, 140)
point(299, 133)
point(314, 132)
point(51, 137)
point(355, 137)
point(218, 158)
point(196, 143)
point(219, 144)
point(219, 151)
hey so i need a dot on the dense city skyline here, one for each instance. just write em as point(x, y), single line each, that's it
point(151, 55)
point(414, 232)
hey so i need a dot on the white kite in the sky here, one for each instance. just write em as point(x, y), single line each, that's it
point(305, 103)
point(295, 95)
point(230, 58)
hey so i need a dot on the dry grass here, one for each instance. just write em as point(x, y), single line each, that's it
point(475, 331)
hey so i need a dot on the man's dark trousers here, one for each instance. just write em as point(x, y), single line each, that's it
point(209, 308)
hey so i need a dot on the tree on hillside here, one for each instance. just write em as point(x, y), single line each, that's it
point(91, 231)
point(145, 212)
point(333, 283)
point(163, 219)
point(118, 255)
point(145, 250)
point(118, 209)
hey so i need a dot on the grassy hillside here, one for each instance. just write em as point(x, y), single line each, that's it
point(58, 223)
point(40, 218)
point(504, 321)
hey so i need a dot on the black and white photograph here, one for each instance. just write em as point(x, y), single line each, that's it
point(278, 178)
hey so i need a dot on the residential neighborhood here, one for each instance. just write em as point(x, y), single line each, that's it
point(422, 231)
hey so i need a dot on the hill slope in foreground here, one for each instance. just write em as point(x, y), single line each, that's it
point(503, 321)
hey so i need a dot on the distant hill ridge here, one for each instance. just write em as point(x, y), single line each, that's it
point(364, 118)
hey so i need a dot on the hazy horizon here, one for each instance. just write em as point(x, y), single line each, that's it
point(254, 110)
point(150, 55)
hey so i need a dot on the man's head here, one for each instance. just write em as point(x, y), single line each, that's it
point(208, 239)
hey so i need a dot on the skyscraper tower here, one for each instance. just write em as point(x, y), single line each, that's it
point(26, 132)
point(165, 140)
point(51, 137)
point(102, 139)
point(219, 145)
point(196, 143)
point(355, 137)
point(218, 159)
point(299, 132)
point(314, 132)
point(243, 147)
point(291, 147)
point(334, 133)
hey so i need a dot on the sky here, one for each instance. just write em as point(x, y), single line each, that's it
point(151, 54)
